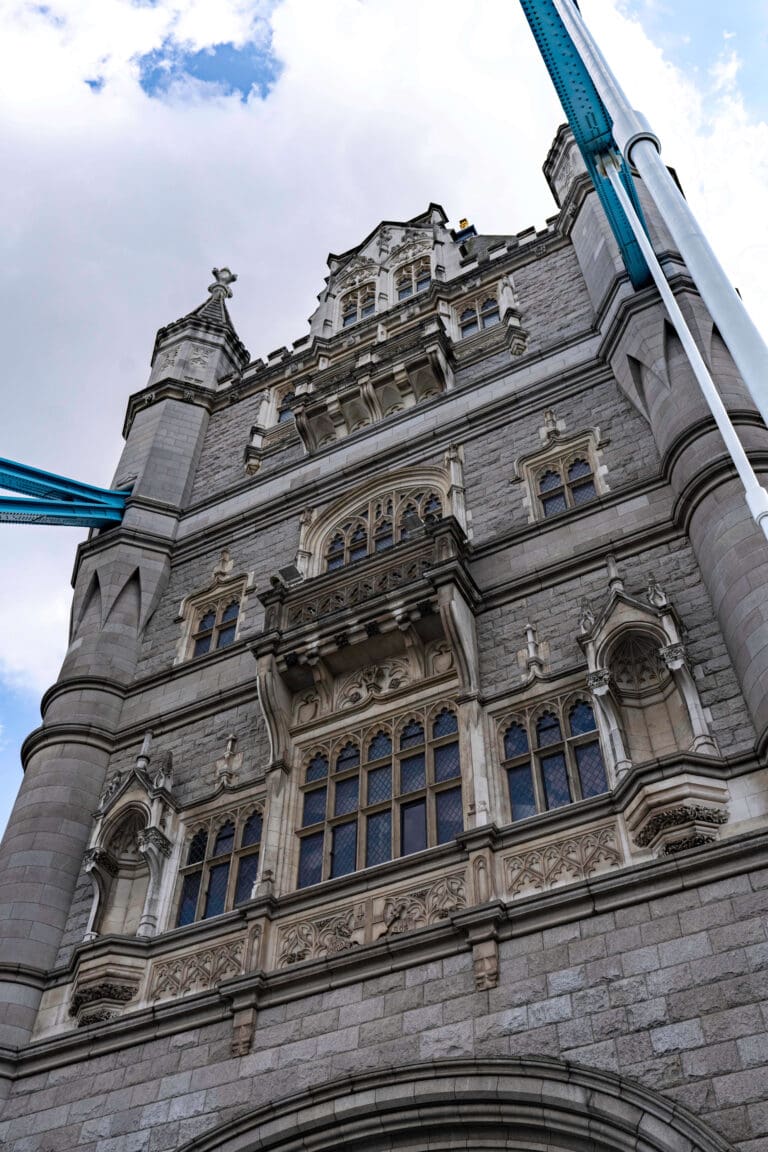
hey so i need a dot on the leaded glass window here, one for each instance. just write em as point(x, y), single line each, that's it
point(380, 524)
point(216, 627)
point(565, 483)
point(413, 278)
point(220, 866)
point(357, 305)
point(395, 789)
point(552, 757)
point(482, 313)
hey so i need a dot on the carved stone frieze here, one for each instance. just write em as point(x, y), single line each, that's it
point(100, 858)
point(105, 990)
point(677, 817)
point(197, 971)
point(151, 837)
point(563, 861)
point(372, 682)
point(675, 846)
point(420, 907)
point(320, 936)
point(485, 963)
point(308, 611)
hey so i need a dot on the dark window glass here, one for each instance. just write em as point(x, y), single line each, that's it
point(311, 860)
point(381, 745)
point(226, 636)
point(581, 719)
point(346, 796)
point(380, 784)
point(251, 830)
point(285, 411)
point(412, 735)
point(246, 877)
point(344, 849)
point(548, 730)
point(445, 723)
point(549, 481)
point(358, 545)
point(554, 504)
point(578, 469)
point(202, 645)
point(468, 322)
point(489, 313)
point(404, 291)
point(335, 561)
point(515, 741)
point(521, 794)
point(368, 307)
point(556, 787)
point(189, 891)
point(225, 839)
point(217, 890)
point(349, 757)
point(384, 537)
point(314, 806)
point(378, 833)
point(197, 847)
point(423, 281)
point(447, 765)
point(413, 827)
point(349, 318)
point(207, 621)
point(317, 769)
point(591, 769)
point(230, 612)
point(433, 509)
point(450, 821)
point(412, 773)
point(583, 492)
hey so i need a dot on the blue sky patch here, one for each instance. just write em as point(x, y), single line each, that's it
point(225, 67)
point(96, 84)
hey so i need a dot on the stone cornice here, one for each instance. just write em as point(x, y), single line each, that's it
point(601, 894)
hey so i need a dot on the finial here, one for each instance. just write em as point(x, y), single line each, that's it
point(223, 278)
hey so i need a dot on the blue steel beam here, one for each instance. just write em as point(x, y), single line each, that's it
point(57, 499)
point(590, 123)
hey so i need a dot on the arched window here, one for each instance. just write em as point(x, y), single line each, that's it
point(413, 278)
point(216, 627)
point(285, 407)
point(655, 718)
point(552, 757)
point(220, 866)
point(380, 524)
point(358, 304)
point(394, 790)
point(565, 484)
point(482, 313)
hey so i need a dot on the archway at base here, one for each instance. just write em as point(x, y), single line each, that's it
point(501, 1105)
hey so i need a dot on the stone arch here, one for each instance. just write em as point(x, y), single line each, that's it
point(123, 898)
point(470, 1106)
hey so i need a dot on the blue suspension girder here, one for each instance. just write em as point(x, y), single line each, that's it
point(56, 499)
point(590, 123)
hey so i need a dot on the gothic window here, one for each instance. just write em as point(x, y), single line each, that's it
point(379, 794)
point(220, 863)
point(358, 304)
point(552, 757)
point(215, 626)
point(482, 313)
point(285, 407)
point(564, 484)
point(380, 524)
point(413, 278)
point(654, 716)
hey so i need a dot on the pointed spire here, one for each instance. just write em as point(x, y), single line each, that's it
point(202, 347)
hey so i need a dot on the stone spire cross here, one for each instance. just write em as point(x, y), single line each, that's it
point(223, 278)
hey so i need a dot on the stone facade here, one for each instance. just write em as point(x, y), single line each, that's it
point(404, 783)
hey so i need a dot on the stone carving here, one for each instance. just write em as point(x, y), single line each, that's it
point(107, 990)
point(307, 708)
point(485, 962)
point(440, 658)
point(599, 680)
point(423, 906)
point(356, 592)
point(656, 596)
point(675, 846)
point(374, 681)
point(359, 268)
point(385, 239)
point(153, 838)
point(100, 858)
point(224, 566)
point(325, 936)
point(415, 243)
point(586, 617)
point(168, 358)
point(199, 354)
point(675, 817)
point(97, 1016)
point(111, 788)
point(223, 277)
point(574, 858)
point(197, 971)
point(673, 656)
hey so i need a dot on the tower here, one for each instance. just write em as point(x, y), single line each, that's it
point(404, 782)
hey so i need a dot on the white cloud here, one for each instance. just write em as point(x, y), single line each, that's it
point(117, 205)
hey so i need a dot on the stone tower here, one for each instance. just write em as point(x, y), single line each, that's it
point(404, 782)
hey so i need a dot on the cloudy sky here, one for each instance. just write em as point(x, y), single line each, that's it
point(144, 141)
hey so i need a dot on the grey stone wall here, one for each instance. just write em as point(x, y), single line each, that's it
point(669, 990)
